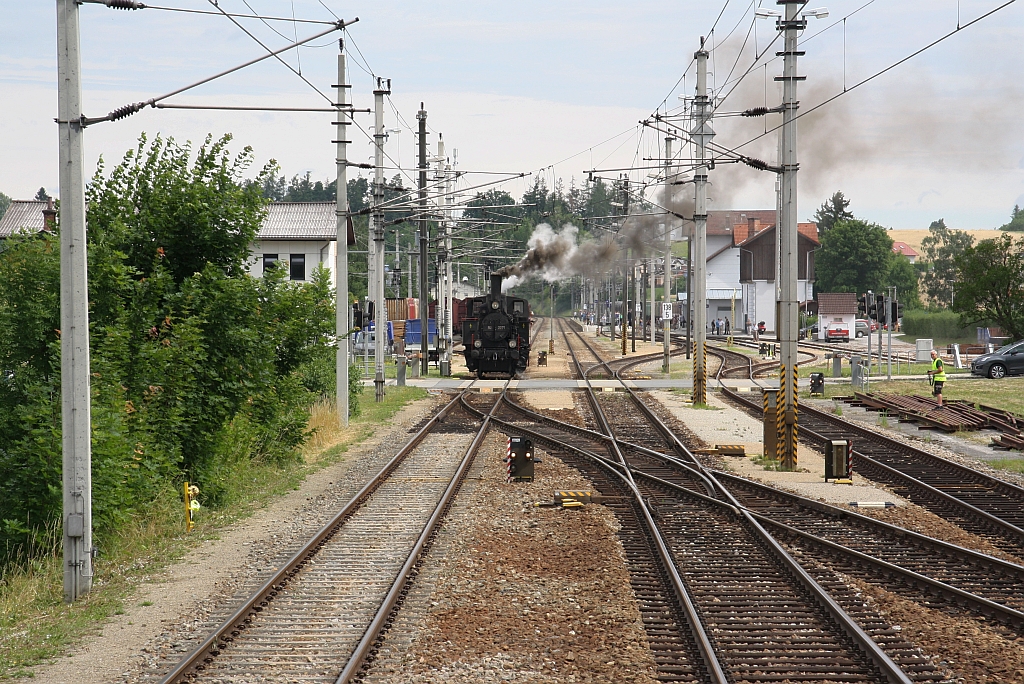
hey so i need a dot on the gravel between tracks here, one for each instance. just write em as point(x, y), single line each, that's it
point(974, 650)
point(515, 593)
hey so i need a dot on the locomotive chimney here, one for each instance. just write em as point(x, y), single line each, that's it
point(496, 284)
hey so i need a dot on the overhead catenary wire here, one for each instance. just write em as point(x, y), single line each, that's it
point(276, 56)
point(128, 110)
point(114, 4)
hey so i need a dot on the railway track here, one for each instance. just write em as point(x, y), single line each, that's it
point(899, 559)
point(321, 616)
point(936, 573)
point(981, 504)
point(768, 619)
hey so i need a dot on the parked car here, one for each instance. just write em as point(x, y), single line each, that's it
point(837, 332)
point(1007, 360)
point(863, 328)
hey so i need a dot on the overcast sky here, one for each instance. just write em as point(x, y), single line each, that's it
point(557, 88)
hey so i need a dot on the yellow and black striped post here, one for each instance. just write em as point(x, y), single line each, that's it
point(770, 439)
point(700, 375)
point(787, 420)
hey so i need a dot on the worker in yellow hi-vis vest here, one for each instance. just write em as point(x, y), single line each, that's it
point(937, 375)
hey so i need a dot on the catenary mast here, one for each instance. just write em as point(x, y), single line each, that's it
point(380, 323)
point(76, 431)
point(701, 134)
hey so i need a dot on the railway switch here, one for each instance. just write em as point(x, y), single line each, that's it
point(839, 461)
point(519, 457)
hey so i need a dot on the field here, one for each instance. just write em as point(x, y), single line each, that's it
point(914, 237)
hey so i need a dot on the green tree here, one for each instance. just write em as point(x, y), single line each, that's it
point(855, 256)
point(1016, 220)
point(940, 250)
point(991, 284)
point(903, 276)
point(198, 368)
point(5, 202)
point(159, 203)
point(42, 195)
point(831, 212)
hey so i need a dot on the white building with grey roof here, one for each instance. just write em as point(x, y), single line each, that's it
point(298, 236)
point(30, 216)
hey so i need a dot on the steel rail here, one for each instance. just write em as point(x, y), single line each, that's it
point(597, 436)
point(666, 432)
point(371, 639)
point(1005, 529)
point(892, 673)
point(222, 636)
point(991, 522)
point(703, 642)
point(890, 670)
point(991, 609)
point(980, 604)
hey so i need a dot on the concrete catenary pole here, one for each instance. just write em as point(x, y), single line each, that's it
point(342, 307)
point(380, 323)
point(74, 312)
point(666, 321)
point(653, 293)
point(792, 24)
point(701, 133)
point(421, 117)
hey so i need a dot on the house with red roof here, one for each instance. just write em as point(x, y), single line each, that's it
point(741, 263)
point(904, 249)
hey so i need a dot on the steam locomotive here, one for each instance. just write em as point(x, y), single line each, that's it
point(496, 333)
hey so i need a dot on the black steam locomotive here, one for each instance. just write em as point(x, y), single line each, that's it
point(496, 333)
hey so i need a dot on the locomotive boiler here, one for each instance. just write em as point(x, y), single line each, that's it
point(496, 333)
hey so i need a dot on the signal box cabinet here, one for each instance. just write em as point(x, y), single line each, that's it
point(838, 460)
point(520, 459)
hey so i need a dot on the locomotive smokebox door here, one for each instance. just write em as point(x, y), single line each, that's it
point(520, 459)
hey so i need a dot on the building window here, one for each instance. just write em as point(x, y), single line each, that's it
point(297, 263)
point(269, 261)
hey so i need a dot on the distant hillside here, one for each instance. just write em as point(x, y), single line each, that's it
point(914, 237)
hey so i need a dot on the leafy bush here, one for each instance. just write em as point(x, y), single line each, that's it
point(198, 369)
